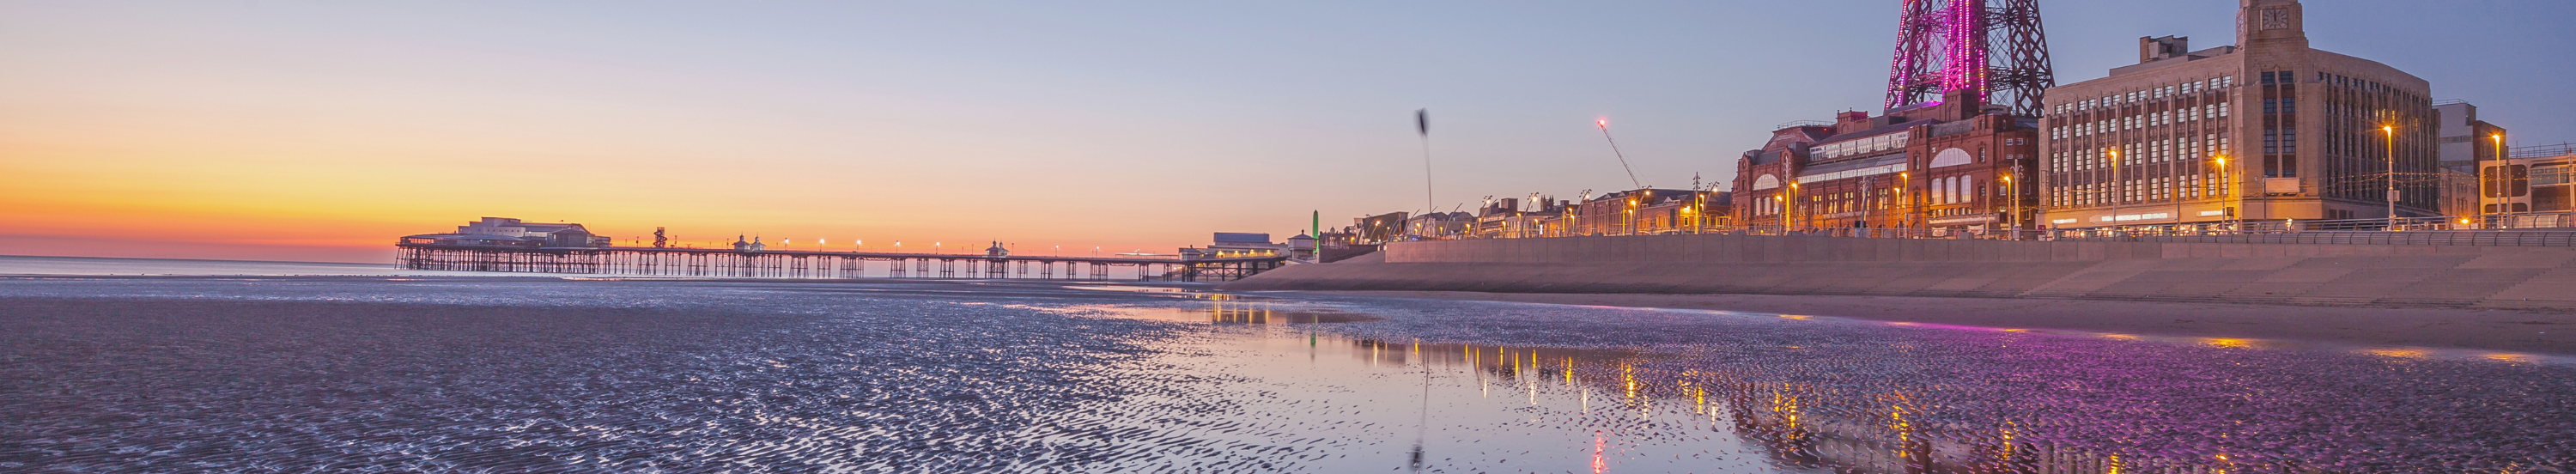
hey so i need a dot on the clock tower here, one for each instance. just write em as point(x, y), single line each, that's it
point(2271, 23)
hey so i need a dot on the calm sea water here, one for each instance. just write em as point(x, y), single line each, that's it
point(32, 265)
point(359, 373)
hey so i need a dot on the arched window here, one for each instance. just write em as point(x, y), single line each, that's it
point(1951, 157)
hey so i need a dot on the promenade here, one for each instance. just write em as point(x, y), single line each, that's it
point(2406, 276)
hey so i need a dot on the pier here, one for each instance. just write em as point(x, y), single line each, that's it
point(730, 263)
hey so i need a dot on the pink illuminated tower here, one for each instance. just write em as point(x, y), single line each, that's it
point(1994, 48)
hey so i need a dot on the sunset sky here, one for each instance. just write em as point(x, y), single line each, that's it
point(320, 131)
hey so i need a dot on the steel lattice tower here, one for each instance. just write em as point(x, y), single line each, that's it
point(1993, 47)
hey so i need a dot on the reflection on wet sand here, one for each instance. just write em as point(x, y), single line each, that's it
point(1794, 425)
point(629, 376)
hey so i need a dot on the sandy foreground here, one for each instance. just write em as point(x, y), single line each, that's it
point(2503, 330)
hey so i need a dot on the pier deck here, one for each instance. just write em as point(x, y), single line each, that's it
point(729, 263)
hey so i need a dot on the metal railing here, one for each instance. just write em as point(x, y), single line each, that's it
point(2488, 238)
point(2546, 229)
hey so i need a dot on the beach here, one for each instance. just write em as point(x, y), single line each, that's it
point(481, 374)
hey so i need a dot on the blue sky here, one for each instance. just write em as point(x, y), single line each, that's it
point(1137, 124)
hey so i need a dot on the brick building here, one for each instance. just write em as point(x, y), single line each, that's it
point(1939, 165)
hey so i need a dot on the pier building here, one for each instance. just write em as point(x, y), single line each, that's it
point(508, 232)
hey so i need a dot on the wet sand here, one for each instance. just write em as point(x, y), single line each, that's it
point(2503, 330)
point(347, 374)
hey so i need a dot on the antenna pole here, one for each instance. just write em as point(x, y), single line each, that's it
point(1422, 123)
point(1623, 157)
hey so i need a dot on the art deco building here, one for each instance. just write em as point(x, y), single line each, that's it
point(2268, 129)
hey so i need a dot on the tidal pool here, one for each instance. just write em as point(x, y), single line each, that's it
point(376, 374)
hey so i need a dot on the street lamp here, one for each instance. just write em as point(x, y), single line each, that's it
point(2391, 131)
point(2499, 181)
point(1905, 201)
point(2228, 187)
point(1781, 202)
point(2013, 220)
point(1629, 215)
point(1788, 209)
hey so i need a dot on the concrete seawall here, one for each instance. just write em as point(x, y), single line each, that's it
point(2356, 275)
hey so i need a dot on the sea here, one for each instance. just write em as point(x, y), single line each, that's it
point(116, 365)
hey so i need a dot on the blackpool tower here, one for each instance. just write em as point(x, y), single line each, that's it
point(1994, 48)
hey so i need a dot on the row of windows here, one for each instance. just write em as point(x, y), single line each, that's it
point(1954, 190)
point(2193, 186)
point(2200, 148)
point(2281, 141)
point(2285, 77)
point(1944, 191)
point(1858, 147)
point(2134, 122)
point(2157, 93)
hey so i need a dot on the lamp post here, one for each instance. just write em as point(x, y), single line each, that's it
point(2119, 189)
point(1788, 209)
point(2483, 178)
point(1782, 202)
point(2391, 131)
point(2227, 186)
point(1905, 202)
point(2014, 191)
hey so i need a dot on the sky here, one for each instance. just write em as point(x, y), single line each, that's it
point(322, 131)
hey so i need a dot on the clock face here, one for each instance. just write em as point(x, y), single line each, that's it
point(2276, 18)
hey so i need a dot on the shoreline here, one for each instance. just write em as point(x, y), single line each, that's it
point(2485, 329)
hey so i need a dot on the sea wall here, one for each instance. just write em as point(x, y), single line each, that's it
point(2376, 275)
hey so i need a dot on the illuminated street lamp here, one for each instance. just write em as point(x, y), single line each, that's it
point(1906, 201)
point(1788, 210)
point(2014, 220)
point(2483, 178)
point(2228, 187)
point(2391, 131)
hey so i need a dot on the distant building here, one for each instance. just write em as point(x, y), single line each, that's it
point(1511, 218)
point(1440, 225)
point(1245, 244)
point(2469, 149)
point(1649, 211)
point(508, 232)
point(1241, 244)
point(1380, 228)
point(2464, 139)
point(2268, 129)
point(2533, 179)
point(1302, 247)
